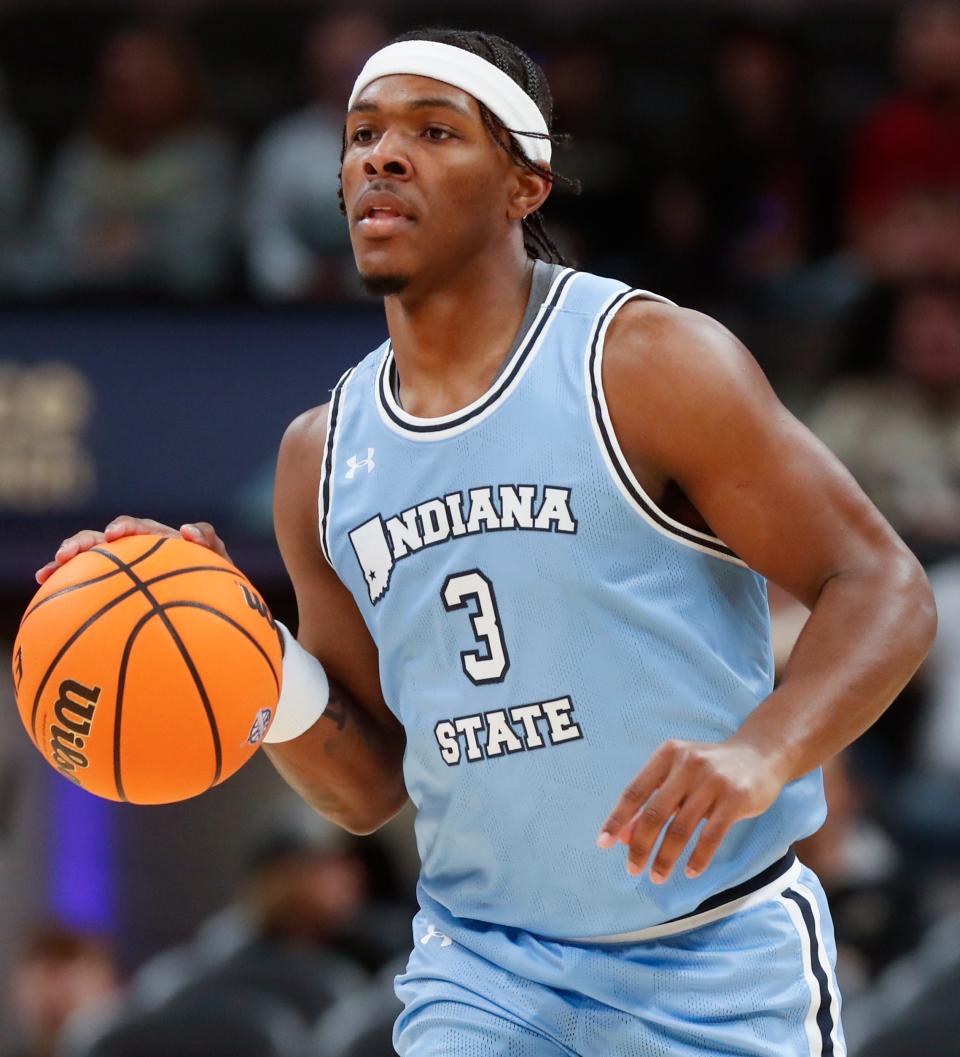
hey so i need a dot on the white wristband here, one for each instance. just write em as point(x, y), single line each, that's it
point(304, 695)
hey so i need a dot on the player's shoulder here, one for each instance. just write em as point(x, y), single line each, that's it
point(660, 330)
point(298, 473)
point(307, 430)
point(656, 342)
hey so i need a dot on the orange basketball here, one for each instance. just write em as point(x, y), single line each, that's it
point(147, 670)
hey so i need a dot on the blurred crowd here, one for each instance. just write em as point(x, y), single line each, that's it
point(300, 963)
point(800, 180)
point(150, 195)
point(739, 165)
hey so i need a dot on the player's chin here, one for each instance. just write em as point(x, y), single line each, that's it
point(384, 284)
point(383, 272)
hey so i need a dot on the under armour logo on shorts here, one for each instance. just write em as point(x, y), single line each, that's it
point(445, 941)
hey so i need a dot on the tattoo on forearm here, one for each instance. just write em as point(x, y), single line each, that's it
point(341, 709)
point(336, 709)
point(341, 781)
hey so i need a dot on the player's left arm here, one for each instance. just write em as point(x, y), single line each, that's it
point(689, 404)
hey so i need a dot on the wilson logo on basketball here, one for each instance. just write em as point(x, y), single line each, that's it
point(74, 715)
point(255, 603)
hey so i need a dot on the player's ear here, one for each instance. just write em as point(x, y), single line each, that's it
point(529, 190)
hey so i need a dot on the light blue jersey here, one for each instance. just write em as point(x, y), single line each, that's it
point(542, 628)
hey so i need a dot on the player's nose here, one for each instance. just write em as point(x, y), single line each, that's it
point(387, 158)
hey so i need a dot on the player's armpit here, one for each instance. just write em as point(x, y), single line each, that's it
point(348, 765)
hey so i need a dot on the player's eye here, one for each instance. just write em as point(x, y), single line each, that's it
point(437, 133)
point(362, 135)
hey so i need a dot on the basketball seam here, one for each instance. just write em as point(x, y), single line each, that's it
point(66, 646)
point(233, 623)
point(118, 708)
point(88, 583)
point(125, 660)
point(187, 659)
point(96, 616)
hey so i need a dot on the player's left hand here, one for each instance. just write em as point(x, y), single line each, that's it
point(683, 783)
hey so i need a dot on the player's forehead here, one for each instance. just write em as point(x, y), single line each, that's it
point(405, 93)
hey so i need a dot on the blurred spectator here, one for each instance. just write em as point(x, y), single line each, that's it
point(16, 178)
point(762, 157)
point(61, 977)
point(140, 198)
point(593, 226)
point(677, 249)
point(898, 429)
point(16, 172)
point(259, 975)
point(912, 1011)
point(902, 203)
point(904, 198)
point(298, 246)
point(361, 1024)
point(301, 931)
point(761, 189)
point(214, 1024)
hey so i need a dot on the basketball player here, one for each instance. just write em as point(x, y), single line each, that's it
point(529, 538)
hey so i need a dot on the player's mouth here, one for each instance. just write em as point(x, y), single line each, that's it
point(381, 214)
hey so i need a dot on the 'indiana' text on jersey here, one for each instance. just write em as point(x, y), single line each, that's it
point(378, 543)
point(542, 627)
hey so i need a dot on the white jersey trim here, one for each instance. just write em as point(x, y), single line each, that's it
point(328, 466)
point(624, 478)
point(445, 426)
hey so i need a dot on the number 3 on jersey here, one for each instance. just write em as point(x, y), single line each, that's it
point(491, 665)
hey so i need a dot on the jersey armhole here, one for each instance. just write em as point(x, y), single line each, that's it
point(616, 462)
point(328, 465)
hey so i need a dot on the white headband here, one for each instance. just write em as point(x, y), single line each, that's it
point(462, 69)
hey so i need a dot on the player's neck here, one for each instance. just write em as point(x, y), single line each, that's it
point(450, 342)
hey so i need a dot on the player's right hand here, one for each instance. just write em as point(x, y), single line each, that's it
point(201, 532)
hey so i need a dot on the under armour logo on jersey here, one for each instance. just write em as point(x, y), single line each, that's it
point(355, 462)
point(445, 941)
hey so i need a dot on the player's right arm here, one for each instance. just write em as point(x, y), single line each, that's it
point(348, 765)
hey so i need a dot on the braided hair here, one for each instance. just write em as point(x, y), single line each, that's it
point(519, 67)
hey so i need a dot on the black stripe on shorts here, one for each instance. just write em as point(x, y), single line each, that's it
point(825, 1022)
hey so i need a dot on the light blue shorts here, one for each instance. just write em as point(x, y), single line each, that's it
point(755, 981)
